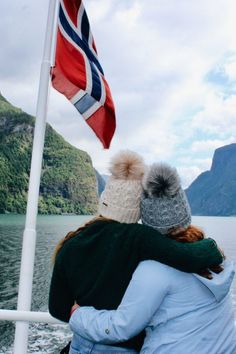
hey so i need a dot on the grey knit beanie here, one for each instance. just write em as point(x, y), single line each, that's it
point(164, 205)
point(120, 200)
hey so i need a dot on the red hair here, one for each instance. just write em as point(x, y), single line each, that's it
point(191, 234)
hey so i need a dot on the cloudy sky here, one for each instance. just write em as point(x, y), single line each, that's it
point(171, 66)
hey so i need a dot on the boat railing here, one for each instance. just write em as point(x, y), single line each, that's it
point(28, 316)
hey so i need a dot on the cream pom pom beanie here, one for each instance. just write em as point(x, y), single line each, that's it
point(120, 200)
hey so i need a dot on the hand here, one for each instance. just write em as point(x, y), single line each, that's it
point(222, 252)
point(73, 308)
point(207, 273)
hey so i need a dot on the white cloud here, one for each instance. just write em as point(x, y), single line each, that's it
point(190, 168)
point(156, 57)
point(188, 175)
point(230, 69)
point(130, 16)
point(99, 12)
point(210, 145)
point(218, 115)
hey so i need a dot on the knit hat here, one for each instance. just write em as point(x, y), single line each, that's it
point(120, 200)
point(164, 204)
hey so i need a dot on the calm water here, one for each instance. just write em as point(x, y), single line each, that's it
point(50, 338)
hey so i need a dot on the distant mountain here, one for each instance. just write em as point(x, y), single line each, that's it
point(100, 182)
point(214, 192)
point(68, 182)
point(105, 177)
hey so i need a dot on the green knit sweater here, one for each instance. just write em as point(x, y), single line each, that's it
point(94, 267)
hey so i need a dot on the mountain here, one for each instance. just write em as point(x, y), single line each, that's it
point(214, 192)
point(100, 182)
point(68, 181)
point(105, 177)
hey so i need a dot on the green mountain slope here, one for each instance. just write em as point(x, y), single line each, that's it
point(68, 182)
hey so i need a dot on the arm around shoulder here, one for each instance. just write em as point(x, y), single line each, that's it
point(187, 257)
point(141, 300)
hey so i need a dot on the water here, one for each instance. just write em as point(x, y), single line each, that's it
point(43, 338)
point(51, 338)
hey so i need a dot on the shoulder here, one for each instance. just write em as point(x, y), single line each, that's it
point(133, 230)
point(159, 277)
point(152, 279)
point(98, 232)
point(150, 269)
point(140, 231)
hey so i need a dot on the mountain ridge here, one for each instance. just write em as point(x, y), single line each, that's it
point(213, 192)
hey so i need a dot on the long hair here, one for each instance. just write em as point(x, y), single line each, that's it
point(193, 234)
point(71, 234)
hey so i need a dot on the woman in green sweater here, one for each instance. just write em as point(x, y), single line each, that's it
point(94, 264)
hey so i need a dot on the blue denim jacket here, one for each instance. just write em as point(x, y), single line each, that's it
point(182, 313)
point(81, 345)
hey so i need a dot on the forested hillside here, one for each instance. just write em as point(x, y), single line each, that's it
point(68, 182)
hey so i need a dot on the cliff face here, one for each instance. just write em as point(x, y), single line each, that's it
point(100, 182)
point(68, 181)
point(214, 192)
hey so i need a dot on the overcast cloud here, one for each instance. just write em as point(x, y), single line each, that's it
point(171, 66)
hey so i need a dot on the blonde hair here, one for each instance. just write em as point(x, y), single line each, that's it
point(71, 234)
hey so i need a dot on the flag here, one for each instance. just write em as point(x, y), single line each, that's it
point(78, 74)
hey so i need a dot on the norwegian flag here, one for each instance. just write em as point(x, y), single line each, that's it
point(78, 74)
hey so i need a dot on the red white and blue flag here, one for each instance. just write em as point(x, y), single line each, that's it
point(78, 74)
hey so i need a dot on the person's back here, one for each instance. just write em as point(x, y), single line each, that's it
point(182, 313)
point(195, 315)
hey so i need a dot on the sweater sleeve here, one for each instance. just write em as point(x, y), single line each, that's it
point(60, 298)
point(187, 257)
point(141, 300)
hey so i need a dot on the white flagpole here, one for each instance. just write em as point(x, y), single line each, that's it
point(29, 236)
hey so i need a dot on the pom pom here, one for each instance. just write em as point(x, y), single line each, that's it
point(161, 180)
point(127, 165)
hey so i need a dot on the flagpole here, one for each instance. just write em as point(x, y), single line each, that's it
point(29, 236)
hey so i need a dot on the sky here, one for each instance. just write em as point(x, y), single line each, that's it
point(171, 67)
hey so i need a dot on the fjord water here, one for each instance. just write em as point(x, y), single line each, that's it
point(51, 338)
